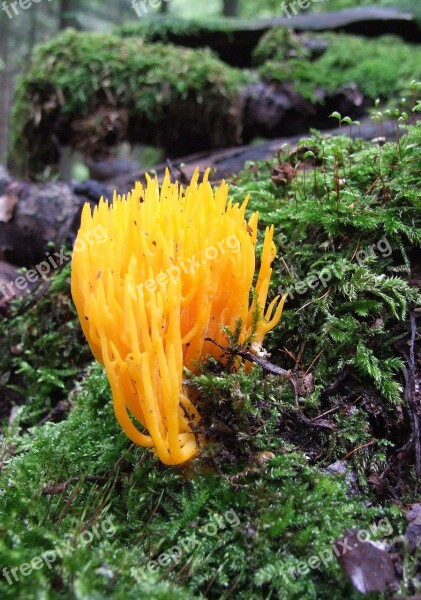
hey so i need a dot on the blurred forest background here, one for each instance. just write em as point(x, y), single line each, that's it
point(21, 33)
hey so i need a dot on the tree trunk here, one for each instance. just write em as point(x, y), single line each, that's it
point(230, 8)
point(67, 14)
point(4, 87)
point(32, 35)
point(163, 8)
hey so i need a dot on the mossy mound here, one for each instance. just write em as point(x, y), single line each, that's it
point(93, 90)
point(257, 504)
point(232, 39)
point(381, 68)
point(349, 231)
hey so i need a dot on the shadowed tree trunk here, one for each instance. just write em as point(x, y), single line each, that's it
point(230, 8)
point(67, 14)
point(4, 87)
point(164, 8)
point(32, 35)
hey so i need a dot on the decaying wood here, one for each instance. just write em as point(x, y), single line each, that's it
point(235, 46)
point(226, 163)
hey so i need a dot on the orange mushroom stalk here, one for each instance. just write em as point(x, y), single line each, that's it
point(172, 268)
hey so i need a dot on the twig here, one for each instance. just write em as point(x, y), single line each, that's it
point(61, 487)
point(271, 368)
point(334, 409)
point(410, 396)
point(268, 366)
point(171, 170)
point(315, 300)
point(313, 361)
point(334, 386)
point(359, 448)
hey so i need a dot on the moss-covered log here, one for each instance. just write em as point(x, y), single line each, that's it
point(380, 68)
point(234, 39)
point(93, 90)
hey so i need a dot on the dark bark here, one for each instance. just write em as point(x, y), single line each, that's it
point(4, 87)
point(32, 35)
point(164, 8)
point(230, 8)
point(67, 14)
point(225, 163)
point(235, 46)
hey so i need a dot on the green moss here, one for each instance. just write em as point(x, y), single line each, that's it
point(347, 234)
point(42, 350)
point(88, 68)
point(247, 528)
point(167, 28)
point(381, 67)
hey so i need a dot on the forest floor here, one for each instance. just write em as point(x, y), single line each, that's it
point(293, 480)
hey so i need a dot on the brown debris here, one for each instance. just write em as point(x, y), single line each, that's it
point(368, 566)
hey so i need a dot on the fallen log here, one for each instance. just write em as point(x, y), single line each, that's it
point(226, 163)
point(51, 211)
point(234, 44)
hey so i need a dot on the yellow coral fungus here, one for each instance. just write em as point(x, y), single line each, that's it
point(172, 267)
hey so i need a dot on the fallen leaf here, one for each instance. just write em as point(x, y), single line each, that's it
point(282, 173)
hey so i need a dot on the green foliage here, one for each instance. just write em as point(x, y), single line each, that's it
point(279, 44)
point(41, 350)
point(347, 227)
point(380, 67)
point(246, 528)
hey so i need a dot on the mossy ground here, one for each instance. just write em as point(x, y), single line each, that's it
point(257, 502)
point(381, 68)
point(264, 523)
